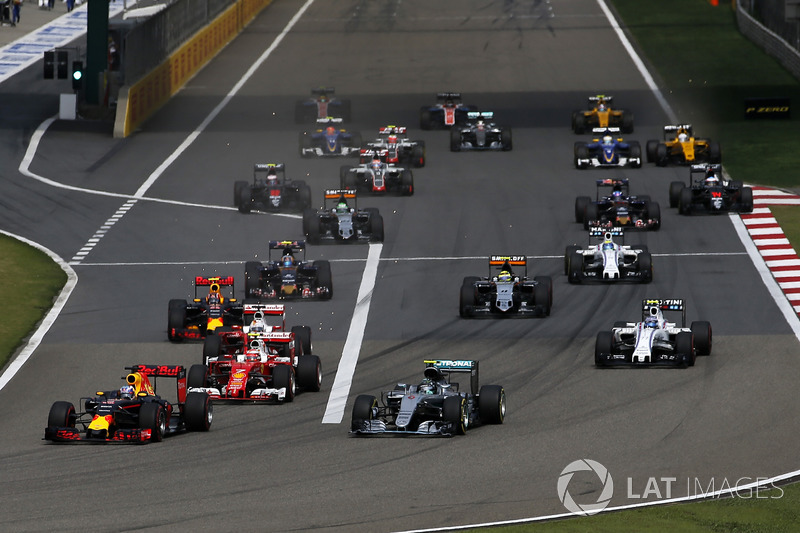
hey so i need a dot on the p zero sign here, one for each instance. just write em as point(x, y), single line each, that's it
point(758, 108)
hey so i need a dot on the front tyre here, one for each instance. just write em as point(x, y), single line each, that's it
point(363, 410)
point(198, 411)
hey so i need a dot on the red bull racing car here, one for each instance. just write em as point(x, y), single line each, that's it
point(196, 319)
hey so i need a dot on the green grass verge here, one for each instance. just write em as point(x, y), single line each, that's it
point(33, 280)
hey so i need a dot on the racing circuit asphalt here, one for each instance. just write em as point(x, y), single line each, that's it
point(278, 467)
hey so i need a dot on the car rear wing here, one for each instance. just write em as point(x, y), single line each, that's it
point(598, 231)
point(323, 91)
point(508, 261)
point(392, 130)
point(448, 96)
point(610, 182)
point(674, 128)
point(607, 98)
point(264, 167)
point(672, 305)
point(139, 377)
point(474, 115)
point(267, 309)
point(296, 246)
point(201, 281)
point(702, 168)
point(610, 130)
point(332, 194)
point(330, 120)
point(462, 366)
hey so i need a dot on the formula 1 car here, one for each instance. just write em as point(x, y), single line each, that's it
point(271, 366)
point(132, 414)
point(600, 115)
point(329, 141)
point(654, 341)
point(607, 151)
point(617, 209)
point(709, 192)
point(435, 407)
point(271, 190)
point(446, 112)
point(608, 261)
point(394, 147)
point(680, 147)
point(377, 177)
point(321, 104)
point(288, 278)
point(480, 133)
point(202, 316)
point(505, 293)
point(340, 222)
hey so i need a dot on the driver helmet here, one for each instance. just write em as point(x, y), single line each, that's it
point(651, 322)
point(711, 178)
point(391, 139)
point(127, 392)
point(608, 244)
point(601, 106)
point(376, 164)
point(608, 139)
point(427, 387)
point(682, 137)
point(213, 296)
point(272, 175)
point(330, 130)
point(505, 275)
point(342, 206)
point(287, 260)
point(616, 194)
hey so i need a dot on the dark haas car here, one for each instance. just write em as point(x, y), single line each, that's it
point(377, 177)
point(435, 407)
point(286, 277)
point(329, 141)
point(337, 221)
point(480, 133)
point(680, 147)
point(202, 316)
point(505, 293)
point(132, 414)
point(608, 261)
point(600, 115)
point(446, 112)
point(270, 364)
point(394, 147)
point(654, 341)
point(322, 104)
point(271, 190)
point(615, 207)
point(709, 192)
point(607, 150)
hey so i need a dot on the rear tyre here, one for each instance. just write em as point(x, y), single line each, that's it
point(376, 227)
point(675, 189)
point(176, 318)
point(283, 378)
point(685, 203)
point(454, 410)
point(684, 347)
point(645, 266)
point(571, 249)
point(602, 347)
point(575, 273)
point(197, 377)
point(198, 411)
point(654, 213)
point(492, 404)
point(302, 335)
point(363, 409)
point(62, 415)
point(324, 277)
point(153, 417)
point(650, 149)
point(544, 298)
point(746, 199)
point(466, 299)
point(212, 347)
point(407, 183)
point(418, 156)
point(661, 155)
point(238, 187)
point(309, 373)
point(702, 337)
point(245, 200)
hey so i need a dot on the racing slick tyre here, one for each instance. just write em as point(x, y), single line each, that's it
point(455, 139)
point(685, 203)
point(746, 200)
point(661, 155)
point(653, 212)
point(571, 249)
point(545, 299)
point(238, 187)
point(176, 318)
point(283, 377)
point(153, 417)
point(579, 123)
point(684, 347)
point(324, 277)
point(303, 336)
point(675, 189)
point(197, 377)
point(590, 215)
point(506, 139)
point(714, 152)
point(212, 347)
point(418, 156)
point(492, 404)
point(311, 226)
point(363, 409)
point(466, 298)
point(252, 278)
point(198, 411)
point(575, 273)
point(580, 208)
point(627, 122)
point(581, 152)
point(645, 266)
point(62, 415)
point(701, 330)
point(425, 118)
point(407, 183)
point(376, 227)
point(602, 347)
point(245, 200)
point(305, 142)
point(650, 151)
point(636, 153)
point(454, 410)
point(309, 373)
